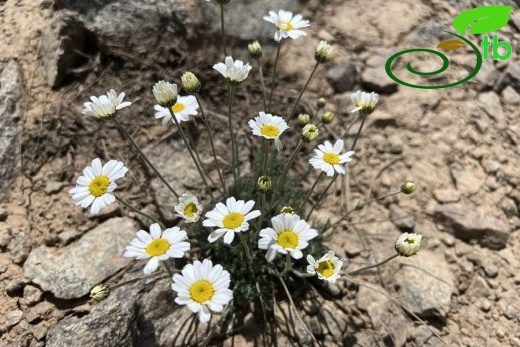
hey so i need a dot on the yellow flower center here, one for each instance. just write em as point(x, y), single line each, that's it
point(201, 291)
point(269, 130)
point(325, 268)
point(178, 107)
point(233, 220)
point(361, 104)
point(286, 26)
point(288, 239)
point(158, 247)
point(99, 185)
point(331, 158)
point(190, 209)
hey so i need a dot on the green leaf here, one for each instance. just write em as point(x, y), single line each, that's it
point(485, 19)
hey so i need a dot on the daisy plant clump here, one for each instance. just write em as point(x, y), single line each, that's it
point(249, 239)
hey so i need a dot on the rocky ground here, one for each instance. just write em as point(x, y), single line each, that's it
point(460, 145)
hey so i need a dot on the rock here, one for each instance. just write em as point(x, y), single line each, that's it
point(5, 235)
point(178, 170)
point(342, 77)
point(63, 41)
point(479, 288)
point(13, 317)
point(486, 77)
point(394, 144)
point(469, 177)
point(32, 295)
point(73, 270)
point(10, 125)
point(429, 32)
point(69, 235)
point(508, 206)
point(20, 245)
point(446, 195)
point(42, 311)
point(3, 214)
point(510, 77)
point(53, 187)
point(466, 222)
point(111, 211)
point(510, 96)
point(510, 306)
point(403, 220)
point(381, 119)
point(375, 79)
point(490, 103)
point(426, 285)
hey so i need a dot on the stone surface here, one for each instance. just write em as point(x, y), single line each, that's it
point(402, 219)
point(425, 284)
point(466, 222)
point(446, 195)
point(511, 96)
point(469, 177)
point(490, 103)
point(342, 77)
point(32, 295)
point(510, 77)
point(10, 126)
point(3, 214)
point(72, 271)
point(486, 77)
point(21, 243)
point(381, 119)
point(53, 187)
point(376, 79)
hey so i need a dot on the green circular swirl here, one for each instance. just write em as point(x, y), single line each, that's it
point(445, 65)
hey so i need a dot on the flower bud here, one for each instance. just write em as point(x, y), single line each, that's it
point(304, 118)
point(408, 244)
point(327, 117)
point(100, 292)
point(190, 83)
point(255, 50)
point(309, 132)
point(408, 188)
point(287, 209)
point(264, 184)
point(165, 93)
point(321, 103)
point(323, 52)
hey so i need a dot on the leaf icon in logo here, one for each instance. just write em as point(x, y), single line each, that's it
point(485, 19)
point(450, 45)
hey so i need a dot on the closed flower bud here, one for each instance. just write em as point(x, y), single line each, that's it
point(190, 83)
point(408, 188)
point(304, 118)
point(100, 292)
point(287, 209)
point(321, 103)
point(327, 117)
point(309, 132)
point(165, 93)
point(323, 52)
point(255, 50)
point(408, 244)
point(264, 184)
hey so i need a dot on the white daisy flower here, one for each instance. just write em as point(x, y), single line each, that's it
point(235, 72)
point(365, 102)
point(230, 218)
point(96, 184)
point(189, 208)
point(327, 267)
point(185, 107)
point(157, 246)
point(270, 127)
point(289, 234)
point(329, 159)
point(165, 93)
point(408, 244)
point(105, 106)
point(204, 288)
point(288, 26)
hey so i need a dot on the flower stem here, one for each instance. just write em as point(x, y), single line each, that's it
point(206, 122)
point(223, 31)
point(321, 196)
point(355, 272)
point(358, 132)
point(309, 193)
point(262, 213)
point(274, 76)
point(127, 204)
point(119, 285)
point(288, 165)
point(262, 83)
point(234, 162)
point(190, 150)
point(287, 264)
point(244, 244)
point(265, 155)
point(136, 146)
point(302, 91)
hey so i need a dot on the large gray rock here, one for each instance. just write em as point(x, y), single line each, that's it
point(425, 284)
point(72, 271)
point(466, 222)
point(10, 124)
point(510, 77)
point(342, 77)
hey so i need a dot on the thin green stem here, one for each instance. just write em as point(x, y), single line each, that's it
point(136, 146)
point(234, 162)
point(274, 76)
point(358, 132)
point(355, 272)
point(349, 126)
point(262, 213)
point(309, 193)
point(119, 285)
point(265, 155)
point(222, 29)
point(288, 165)
point(190, 150)
point(302, 91)
point(206, 122)
point(287, 264)
point(168, 268)
point(246, 247)
point(127, 204)
point(321, 196)
point(216, 326)
point(264, 98)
